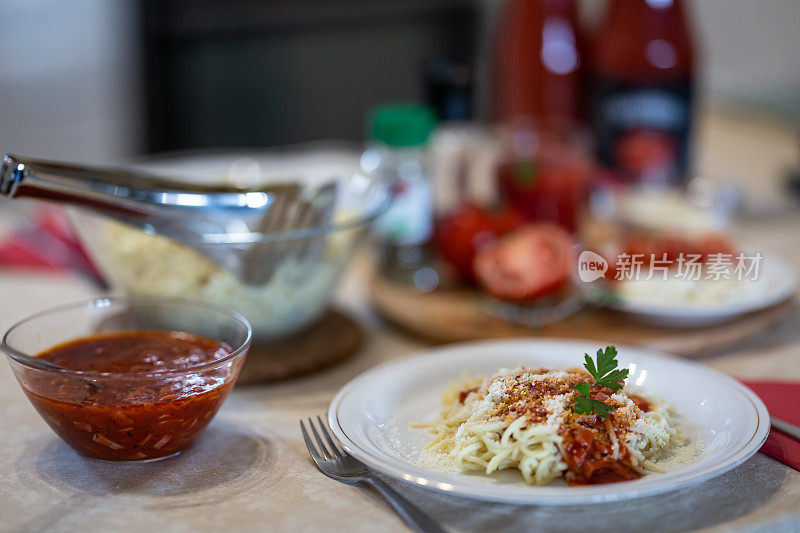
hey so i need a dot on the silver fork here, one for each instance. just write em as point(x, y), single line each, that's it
point(337, 464)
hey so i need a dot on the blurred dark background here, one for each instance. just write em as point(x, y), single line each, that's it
point(265, 73)
point(101, 81)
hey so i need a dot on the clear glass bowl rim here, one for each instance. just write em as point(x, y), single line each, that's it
point(254, 237)
point(34, 362)
point(223, 239)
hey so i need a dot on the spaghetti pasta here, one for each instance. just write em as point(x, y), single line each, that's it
point(523, 419)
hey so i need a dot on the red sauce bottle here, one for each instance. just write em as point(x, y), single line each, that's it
point(538, 63)
point(538, 101)
point(642, 65)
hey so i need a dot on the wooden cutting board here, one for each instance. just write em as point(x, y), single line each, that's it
point(455, 315)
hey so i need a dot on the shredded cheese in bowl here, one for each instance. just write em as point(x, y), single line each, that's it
point(142, 264)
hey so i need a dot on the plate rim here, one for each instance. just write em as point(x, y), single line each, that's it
point(784, 291)
point(544, 495)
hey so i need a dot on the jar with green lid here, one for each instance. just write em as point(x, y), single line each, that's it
point(399, 135)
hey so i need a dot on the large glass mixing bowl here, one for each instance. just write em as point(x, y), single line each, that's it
point(292, 273)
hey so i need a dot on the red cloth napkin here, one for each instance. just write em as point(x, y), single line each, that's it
point(783, 401)
point(46, 240)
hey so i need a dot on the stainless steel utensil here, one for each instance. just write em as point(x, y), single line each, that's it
point(337, 464)
point(786, 427)
point(198, 217)
point(128, 196)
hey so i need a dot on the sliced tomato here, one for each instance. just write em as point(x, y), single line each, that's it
point(714, 243)
point(638, 245)
point(529, 262)
point(460, 235)
point(672, 246)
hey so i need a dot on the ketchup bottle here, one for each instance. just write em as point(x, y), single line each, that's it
point(642, 65)
point(538, 63)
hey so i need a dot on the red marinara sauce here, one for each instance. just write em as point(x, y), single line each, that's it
point(588, 452)
point(141, 410)
point(588, 447)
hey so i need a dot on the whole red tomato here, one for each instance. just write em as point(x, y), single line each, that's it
point(462, 233)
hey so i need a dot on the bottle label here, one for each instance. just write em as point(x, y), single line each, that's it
point(409, 219)
point(643, 129)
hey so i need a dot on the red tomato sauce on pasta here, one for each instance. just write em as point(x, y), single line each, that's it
point(589, 448)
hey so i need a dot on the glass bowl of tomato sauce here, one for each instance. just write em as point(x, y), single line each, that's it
point(125, 378)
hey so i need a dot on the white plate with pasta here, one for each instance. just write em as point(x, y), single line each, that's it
point(520, 421)
point(676, 302)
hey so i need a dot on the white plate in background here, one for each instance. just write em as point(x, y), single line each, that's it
point(661, 303)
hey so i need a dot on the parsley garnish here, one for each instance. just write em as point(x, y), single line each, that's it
point(605, 374)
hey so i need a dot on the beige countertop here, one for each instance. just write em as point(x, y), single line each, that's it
point(250, 471)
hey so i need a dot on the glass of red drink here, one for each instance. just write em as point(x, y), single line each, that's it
point(545, 175)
